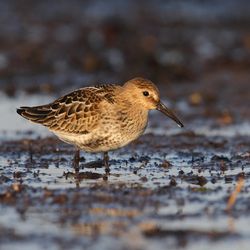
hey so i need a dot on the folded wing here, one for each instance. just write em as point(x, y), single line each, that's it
point(77, 112)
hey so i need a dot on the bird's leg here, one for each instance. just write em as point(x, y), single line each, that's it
point(76, 160)
point(106, 162)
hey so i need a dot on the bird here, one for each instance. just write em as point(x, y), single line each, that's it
point(100, 118)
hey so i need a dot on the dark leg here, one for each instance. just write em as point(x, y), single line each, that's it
point(106, 162)
point(76, 160)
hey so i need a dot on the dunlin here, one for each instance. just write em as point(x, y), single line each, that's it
point(100, 118)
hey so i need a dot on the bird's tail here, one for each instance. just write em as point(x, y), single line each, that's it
point(36, 114)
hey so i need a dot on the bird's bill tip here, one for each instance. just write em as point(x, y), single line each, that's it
point(166, 111)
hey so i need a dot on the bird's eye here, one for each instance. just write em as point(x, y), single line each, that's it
point(145, 93)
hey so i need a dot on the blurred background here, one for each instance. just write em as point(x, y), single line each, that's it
point(197, 52)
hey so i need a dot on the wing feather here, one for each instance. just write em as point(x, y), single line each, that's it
point(71, 113)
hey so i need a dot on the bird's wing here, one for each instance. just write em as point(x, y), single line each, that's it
point(77, 112)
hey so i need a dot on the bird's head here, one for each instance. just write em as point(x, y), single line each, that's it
point(146, 94)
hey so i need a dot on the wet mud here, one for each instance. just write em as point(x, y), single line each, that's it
point(162, 191)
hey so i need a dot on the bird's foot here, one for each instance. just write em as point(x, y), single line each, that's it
point(107, 170)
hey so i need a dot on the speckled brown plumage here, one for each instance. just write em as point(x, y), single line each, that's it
point(100, 118)
point(71, 112)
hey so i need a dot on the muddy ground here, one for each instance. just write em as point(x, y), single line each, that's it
point(170, 188)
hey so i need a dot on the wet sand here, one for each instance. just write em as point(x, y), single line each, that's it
point(162, 191)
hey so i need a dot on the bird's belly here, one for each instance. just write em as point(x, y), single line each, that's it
point(102, 140)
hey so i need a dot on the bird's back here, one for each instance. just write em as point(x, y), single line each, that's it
point(77, 112)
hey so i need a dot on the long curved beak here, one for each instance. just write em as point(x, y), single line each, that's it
point(166, 111)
